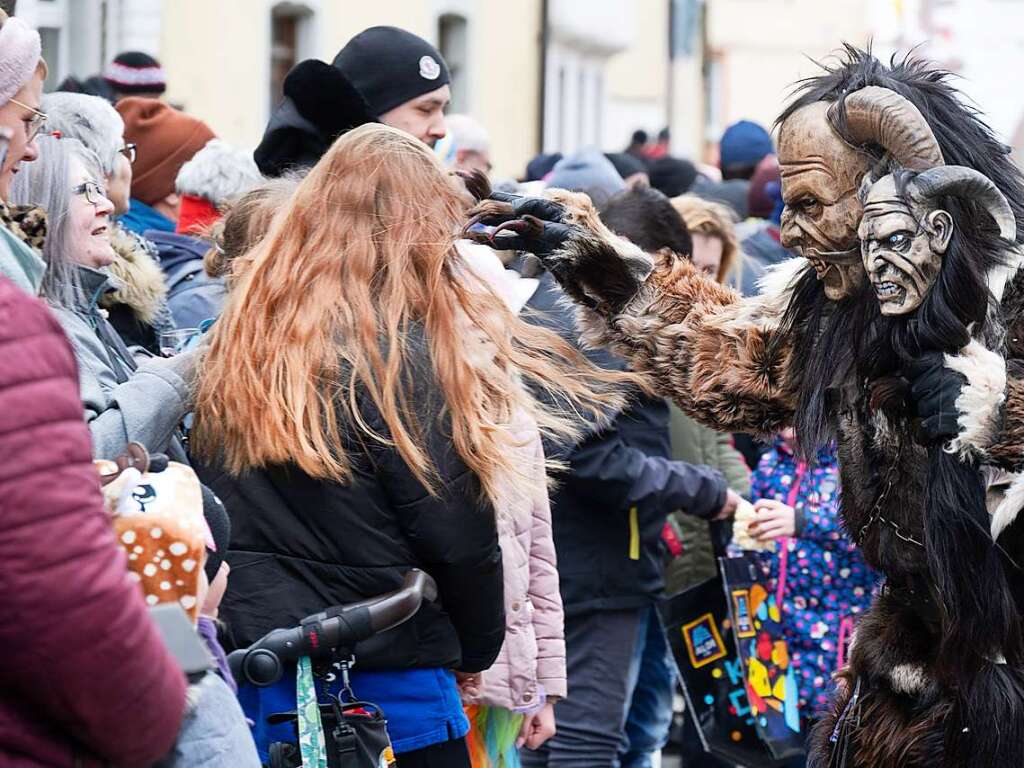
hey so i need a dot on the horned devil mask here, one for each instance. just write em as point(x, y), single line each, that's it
point(904, 234)
point(822, 160)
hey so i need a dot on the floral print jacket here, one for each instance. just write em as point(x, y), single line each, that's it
point(825, 584)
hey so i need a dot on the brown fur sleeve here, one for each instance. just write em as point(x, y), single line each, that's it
point(1006, 450)
point(720, 356)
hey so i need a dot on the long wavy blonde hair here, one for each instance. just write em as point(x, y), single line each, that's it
point(320, 316)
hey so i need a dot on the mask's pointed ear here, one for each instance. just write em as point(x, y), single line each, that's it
point(939, 226)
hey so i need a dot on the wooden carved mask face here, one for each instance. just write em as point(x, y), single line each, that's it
point(902, 244)
point(905, 232)
point(821, 176)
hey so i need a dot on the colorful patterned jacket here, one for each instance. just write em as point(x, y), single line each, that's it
point(826, 582)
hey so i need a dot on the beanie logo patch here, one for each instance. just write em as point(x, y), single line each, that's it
point(429, 68)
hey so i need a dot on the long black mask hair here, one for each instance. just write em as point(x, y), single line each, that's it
point(973, 577)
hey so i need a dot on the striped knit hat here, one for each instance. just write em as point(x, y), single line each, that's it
point(134, 72)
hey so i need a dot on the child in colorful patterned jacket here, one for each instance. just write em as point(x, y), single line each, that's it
point(820, 578)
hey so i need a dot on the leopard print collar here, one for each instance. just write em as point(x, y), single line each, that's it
point(25, 222)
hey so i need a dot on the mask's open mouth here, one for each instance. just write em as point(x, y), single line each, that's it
point(889, 291)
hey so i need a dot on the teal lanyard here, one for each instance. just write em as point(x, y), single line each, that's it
point(307, 708)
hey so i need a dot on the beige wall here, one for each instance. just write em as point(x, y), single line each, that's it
point(636, 79)
point(640, 71)
point(342, 20)
point(688, 115)
point(505, 90)
point(763, 48)
point(219, 69)
point(224, 77)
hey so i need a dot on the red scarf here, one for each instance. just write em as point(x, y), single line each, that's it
point(195, 215)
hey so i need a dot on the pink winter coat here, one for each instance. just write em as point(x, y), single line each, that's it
point(531, 663)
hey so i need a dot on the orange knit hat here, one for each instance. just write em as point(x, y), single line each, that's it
point(166, 140)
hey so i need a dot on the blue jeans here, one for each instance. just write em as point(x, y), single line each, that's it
point(650, 709)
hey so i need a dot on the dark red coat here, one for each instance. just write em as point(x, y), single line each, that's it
point(84, 677)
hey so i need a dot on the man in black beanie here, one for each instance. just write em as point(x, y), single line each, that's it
point(402, 77)
point(383, 74)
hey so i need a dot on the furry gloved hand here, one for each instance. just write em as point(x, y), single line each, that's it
point(594, 267)
point(532, 224)
point(934, 390)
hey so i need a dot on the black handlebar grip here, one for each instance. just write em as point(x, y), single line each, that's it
point(348, 629)
point(400, 606)
point(335, 628)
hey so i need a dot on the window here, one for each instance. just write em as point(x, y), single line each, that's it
point(289, 27)
point(452, 36)
point(574, 99)
point(50, 39)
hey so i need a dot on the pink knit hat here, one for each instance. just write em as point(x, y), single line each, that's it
point(20, 51)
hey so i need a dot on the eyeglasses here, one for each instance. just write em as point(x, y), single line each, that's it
point(130, 151)
point(33, 125)
point(94, 193)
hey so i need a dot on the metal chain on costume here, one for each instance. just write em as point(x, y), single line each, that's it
point(876, 510)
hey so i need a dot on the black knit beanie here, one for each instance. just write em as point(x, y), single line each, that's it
point(390, 66)
point(220, 526)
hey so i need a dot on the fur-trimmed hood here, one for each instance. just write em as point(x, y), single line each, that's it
point(137, 276)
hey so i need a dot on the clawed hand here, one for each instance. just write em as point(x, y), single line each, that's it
point(534, 224)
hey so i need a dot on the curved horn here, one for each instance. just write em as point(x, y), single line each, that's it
point(881, 116)
point(958, 181)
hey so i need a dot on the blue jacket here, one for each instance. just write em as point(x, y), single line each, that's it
point(827, 584)
point(422, 706)
point(141, 218)
point(609, 510)
point(192, 295)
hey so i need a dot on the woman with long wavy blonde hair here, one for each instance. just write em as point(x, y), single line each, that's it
point(354, 411)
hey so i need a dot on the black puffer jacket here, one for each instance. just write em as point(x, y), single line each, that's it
point(299, 545)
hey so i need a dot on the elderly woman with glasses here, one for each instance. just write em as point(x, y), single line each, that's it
point(125, 401)
point(137, 308)
point(22, 71)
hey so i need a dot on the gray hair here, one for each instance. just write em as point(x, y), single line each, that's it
point(89, 119)
point(468, 134)
point(218, 173)
point(46, 183)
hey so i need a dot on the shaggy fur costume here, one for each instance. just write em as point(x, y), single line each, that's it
point(733, 364)
point(936, 677)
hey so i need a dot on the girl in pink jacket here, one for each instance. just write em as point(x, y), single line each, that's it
point(512, 704)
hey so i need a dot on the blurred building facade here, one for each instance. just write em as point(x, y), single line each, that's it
point(539, 74)
point(545, 75)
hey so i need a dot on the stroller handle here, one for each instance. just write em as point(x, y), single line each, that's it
point(339, 627)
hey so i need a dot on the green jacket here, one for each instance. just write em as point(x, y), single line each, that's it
point(697, 444)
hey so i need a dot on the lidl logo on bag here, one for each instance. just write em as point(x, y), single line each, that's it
point(703, 641)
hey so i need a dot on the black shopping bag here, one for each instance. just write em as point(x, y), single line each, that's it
point(769, 675)
point(355, 734)
point(699, 629)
